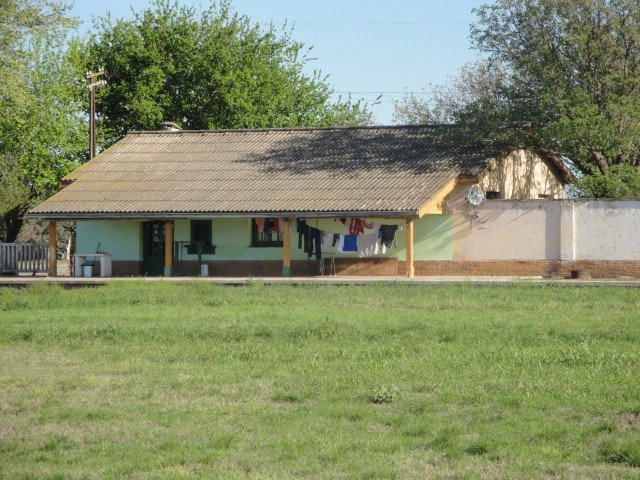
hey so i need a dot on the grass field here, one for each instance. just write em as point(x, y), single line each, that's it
point(135, 381)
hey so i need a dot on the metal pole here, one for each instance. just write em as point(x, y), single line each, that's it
point(91, 76)
point(92, 122)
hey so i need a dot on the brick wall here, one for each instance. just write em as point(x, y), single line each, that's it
point(343, 266)
point(544, 268)
point(122, 268)
point(393, 267)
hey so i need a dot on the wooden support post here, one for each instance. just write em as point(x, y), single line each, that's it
point(168, 249)
point(409, 241)
point(286, 249)
point(53, 251)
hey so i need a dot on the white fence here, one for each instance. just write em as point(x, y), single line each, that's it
point(23, 257)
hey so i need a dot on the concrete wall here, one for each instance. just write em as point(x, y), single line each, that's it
point(607, 230)
point(502, 237)
point(563, 230)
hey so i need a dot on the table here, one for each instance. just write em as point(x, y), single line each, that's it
point(81, 258)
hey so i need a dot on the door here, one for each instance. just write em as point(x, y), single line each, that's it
point(153, 236)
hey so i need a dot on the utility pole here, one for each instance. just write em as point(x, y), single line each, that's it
point(93, 83)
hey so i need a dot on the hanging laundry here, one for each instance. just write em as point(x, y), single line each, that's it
point(303, 233)
point(368, 245)
point(356, 227)
point(388, 234)
point(260, 224)
point(314, 242)
point(348, 243)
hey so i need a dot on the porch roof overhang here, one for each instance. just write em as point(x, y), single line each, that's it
point(143, 216)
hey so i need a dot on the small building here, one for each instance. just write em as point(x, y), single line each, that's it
point(248, 202)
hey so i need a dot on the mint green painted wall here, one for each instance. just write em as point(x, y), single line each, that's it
point(123, 240)
point(433, 240)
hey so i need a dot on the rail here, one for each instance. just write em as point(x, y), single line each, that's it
point(18, 258)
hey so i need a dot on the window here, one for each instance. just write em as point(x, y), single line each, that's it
point(266, 238)
point(493, 196)
point(201, 238)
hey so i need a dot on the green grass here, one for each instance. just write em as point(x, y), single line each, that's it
point(137, 381)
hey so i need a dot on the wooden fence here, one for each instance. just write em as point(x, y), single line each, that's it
point(24, 257)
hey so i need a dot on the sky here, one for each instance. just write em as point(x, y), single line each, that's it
point(367, 48)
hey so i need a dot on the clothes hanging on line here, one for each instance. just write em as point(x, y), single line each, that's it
point(348, 243)
point(388, 235)
point(314, 239)
point(356, 226)
point(368, 245)
point(269, 225)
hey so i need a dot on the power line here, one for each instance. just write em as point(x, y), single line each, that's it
point(382, 93)
point(320, 24)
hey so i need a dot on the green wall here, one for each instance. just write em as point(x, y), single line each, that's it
point(433, 240)
point(123, 240)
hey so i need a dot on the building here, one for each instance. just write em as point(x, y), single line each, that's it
point(208, 194)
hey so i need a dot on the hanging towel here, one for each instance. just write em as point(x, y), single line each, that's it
point(368, 245)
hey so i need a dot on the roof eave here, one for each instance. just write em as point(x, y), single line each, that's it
point(57, 216)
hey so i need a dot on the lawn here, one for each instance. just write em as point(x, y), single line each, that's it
point(163, 381)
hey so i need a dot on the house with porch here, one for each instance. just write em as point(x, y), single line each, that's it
point(290, 201)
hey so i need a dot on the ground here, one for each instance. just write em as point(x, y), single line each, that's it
point(393, 381)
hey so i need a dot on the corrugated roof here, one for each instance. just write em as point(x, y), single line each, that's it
point(306, 171)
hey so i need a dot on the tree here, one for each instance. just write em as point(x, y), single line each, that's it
point(482, 86)
point(41, 122)
point(569, 68)
point(216, 70)
point(582, 58)
point(620, 181)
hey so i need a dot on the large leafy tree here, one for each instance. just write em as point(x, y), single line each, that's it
point(570, 68)
point(582, 59)
point(208, 70)
point(42, 129)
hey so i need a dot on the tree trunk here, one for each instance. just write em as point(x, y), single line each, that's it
point(600, 160)
point(13, 222)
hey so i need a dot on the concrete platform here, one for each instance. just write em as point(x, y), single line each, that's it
point(26, 280)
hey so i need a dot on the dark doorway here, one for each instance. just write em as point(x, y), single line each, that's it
point(153, 235)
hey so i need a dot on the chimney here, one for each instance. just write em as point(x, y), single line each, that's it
point(169, 127)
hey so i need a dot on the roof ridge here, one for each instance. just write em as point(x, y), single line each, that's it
point(298, 129)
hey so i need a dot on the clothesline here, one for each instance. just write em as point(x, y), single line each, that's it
point(350, 234)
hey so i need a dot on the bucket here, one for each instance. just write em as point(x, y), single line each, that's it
point(87, 270)
point(204, 270)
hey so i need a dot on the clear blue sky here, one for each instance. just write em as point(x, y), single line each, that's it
point(367, 47)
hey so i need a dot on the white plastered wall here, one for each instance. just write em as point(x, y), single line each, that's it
point(521, 175)
point(549, 230)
